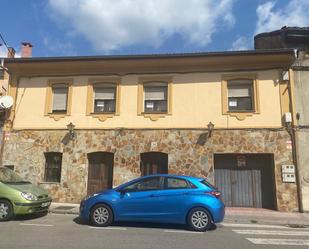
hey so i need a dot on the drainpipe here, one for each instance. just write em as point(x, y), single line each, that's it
point(292, 131)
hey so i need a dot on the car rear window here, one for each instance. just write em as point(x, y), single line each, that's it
point(207, 184)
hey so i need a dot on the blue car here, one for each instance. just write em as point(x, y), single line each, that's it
point(157, 198)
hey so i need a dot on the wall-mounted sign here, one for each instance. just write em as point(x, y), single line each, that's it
point(241, 161)
point(153, 146)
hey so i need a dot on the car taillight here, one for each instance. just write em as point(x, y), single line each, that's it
point(216, 194)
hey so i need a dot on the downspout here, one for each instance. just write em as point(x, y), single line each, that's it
point(292, 131)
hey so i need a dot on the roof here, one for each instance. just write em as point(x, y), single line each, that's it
point(151, 56)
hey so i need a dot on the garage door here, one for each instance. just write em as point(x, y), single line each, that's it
point(245, 180)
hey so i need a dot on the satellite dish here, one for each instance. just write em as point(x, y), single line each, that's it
point(6, 101)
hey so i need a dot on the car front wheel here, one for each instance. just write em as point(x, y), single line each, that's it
point(6, 210)
point(101, 215)
point(199, 220)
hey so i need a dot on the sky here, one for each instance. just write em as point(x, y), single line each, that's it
point(122, 27)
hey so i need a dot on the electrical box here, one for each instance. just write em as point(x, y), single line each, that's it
point(288, 173)
point(288, 117)
point(288, 169)
point(288, 178)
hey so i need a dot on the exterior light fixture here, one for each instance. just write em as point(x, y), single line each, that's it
point(210, 128)
point(202, 139)
point(72, 133)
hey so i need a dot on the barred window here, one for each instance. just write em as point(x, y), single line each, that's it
point(53, 162)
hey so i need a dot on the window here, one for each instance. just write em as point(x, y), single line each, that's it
point(155, 97)
point(104, 98)
point(240, 97)
point(60, 98)
point(176, 183)
point(53, 161)
point(147, 184)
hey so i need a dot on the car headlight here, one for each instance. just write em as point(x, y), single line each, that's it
point(29, 196)
point(89, 196)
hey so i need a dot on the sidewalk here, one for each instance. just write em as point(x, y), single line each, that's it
point(232, 215)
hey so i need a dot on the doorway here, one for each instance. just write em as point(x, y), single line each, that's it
point(154, 163)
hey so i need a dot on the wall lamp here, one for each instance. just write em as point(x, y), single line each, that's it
point(202, 139)
point(71, 135)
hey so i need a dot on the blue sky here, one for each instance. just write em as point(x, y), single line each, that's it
point(98, 27)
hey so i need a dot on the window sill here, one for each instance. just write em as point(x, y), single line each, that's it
point(154, 116)
point(53, 183)
point(241, 115)
point(103, 116)
point(57, 116)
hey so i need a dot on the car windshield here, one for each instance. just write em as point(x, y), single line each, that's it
point(9, 176)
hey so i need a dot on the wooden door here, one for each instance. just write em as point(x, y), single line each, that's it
point(100, 171)
point(154, 163)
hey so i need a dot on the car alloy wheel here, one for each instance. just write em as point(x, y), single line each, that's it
point(6, 211)
point(199, 219)
point(101, 215)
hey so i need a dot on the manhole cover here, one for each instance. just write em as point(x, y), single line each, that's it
point(64, 207)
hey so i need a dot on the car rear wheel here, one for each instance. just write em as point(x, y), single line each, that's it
point(199, 220)
point(6, 210)
point(101, 215)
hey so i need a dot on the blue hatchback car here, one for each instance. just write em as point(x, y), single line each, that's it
point(157, 198)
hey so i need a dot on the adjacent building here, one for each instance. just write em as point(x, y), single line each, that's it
point(82, 124)
point(298, 39)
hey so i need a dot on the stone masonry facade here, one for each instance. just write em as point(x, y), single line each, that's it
point(25, 150)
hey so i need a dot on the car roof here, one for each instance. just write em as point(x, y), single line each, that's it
point(174, 175)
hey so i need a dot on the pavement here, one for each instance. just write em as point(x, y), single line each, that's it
point(232, 215)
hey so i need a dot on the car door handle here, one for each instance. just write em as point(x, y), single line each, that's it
point(152, 195)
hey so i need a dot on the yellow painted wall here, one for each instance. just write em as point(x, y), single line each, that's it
point(196, 101)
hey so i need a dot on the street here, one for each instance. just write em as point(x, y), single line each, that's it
point(59, 231)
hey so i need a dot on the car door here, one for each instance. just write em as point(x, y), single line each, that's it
point(140, 200)
point(175, 198)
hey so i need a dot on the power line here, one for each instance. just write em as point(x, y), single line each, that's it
point(5, 44)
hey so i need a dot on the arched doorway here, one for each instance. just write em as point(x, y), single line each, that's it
point(154, 163)
point(100, 171)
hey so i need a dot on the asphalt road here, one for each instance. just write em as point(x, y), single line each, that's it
point(65, 232)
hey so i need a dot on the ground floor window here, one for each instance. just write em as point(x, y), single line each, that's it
point(53, 162)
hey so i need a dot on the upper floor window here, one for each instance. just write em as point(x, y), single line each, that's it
point(155, 97)
point(53, 162)
point(240, 95)
point(60, 98)
point(104, 98)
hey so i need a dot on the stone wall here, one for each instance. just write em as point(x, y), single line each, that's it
point(25, 150)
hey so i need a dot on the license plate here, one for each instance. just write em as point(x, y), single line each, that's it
point(45, 204)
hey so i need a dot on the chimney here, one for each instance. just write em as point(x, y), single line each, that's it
point(11, 52)
point(26, 49)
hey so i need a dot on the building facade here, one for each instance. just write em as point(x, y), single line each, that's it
point(82, 124)
point(298, 39)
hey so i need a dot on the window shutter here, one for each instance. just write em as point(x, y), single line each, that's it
point(155, 93)
point(106, 93)
point(239, 91)
point(60, 94)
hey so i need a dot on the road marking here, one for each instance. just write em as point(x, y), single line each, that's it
point(254, 226)
point(109, 228)
point(272, 232)
point(37, 225)
point(291, 242)
point(179, 231)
